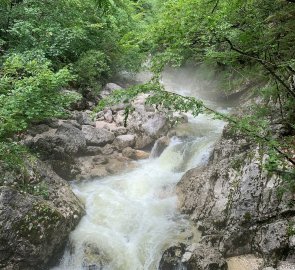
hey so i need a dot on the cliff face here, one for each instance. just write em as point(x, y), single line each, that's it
point(234, 202)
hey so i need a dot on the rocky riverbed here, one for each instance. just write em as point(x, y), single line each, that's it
point(38, 207)
point(234, 202)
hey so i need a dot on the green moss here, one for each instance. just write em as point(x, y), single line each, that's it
point(291, 228)
point(247, 216)
point(38, 223)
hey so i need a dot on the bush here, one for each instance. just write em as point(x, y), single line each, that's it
point(31, 91)
point(92, 69)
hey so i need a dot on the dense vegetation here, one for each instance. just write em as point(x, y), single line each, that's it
point(49, 46)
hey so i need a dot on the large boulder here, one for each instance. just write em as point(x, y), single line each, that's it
point(124, 141)
point(73, 137)
point(36, 218)
point(156, 126)
point(97, 137)
point(235, 198)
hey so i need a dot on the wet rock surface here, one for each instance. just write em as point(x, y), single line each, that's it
point(235, 204)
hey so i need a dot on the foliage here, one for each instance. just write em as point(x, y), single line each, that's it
point(92, 68)
point(31, 91)
point(47, 45)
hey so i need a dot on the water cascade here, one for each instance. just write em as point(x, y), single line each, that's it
point(132, 218)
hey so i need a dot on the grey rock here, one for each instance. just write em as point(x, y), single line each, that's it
point(124, 141)
point(73, 138)
point(97, 137)
point(206, 258)
point(272, 238)
point(33, 131)
point(171, 259)
point(156, 126)
point(160, 146)
point(33, 228)
point(92, 151)
point(235, 199)
point(83, 118)
point(108, 116)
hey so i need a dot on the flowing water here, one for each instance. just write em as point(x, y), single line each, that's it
point(132, 218)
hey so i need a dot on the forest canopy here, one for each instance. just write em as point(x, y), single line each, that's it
point(48, 47)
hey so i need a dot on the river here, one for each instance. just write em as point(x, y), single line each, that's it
point(131, 218)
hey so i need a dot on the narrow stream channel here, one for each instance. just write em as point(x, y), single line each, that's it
point(132, 218)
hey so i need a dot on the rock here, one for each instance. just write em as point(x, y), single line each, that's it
point(107, 149)
point(61, 144)
point(35, 224)
point(124, 141)
point(171, 259)
point(116, 165)
point(245, 262)
point(97, 137)
point(119, 118)
point(117, 130)
point(234, 198)
point(108, 116)
point(94, 258)
point(92, 167)
point(272, 239)
point(285, 265)
point(33, 131)
point(135, 154)
point(156, 126)
point(83, 118)
point(92, 151)
point(160, 146)
point(206, 258)
point(143, 141)
point(73, 138)
point(67, 169)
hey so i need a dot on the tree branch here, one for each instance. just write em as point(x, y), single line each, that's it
point(262, 62)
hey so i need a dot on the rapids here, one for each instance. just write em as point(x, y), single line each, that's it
point(132, 218)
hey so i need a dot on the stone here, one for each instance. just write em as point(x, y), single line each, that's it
point(234, 198)
point(286, 265)
point(83, 118)
point(245, 262)
point(34, 228)
point(142, 141)
point(92, 151)
point(156, 126)
point(108, 116)
point(97, 137)
point(206, 258)
point(160, 146)
point(74, 141)
point(116, 165)
point(124, 141)
point(33, 131)
point(107, 149)
point(171, 258)
point(272, 238)
point(135, 154)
